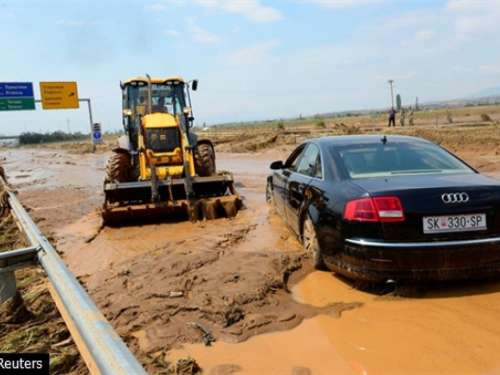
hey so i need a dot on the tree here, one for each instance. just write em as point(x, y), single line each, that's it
point(416, 103)
point(398, 102)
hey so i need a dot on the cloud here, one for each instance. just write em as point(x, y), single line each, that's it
point(423, 53)
point(420, 36)
point(250, 9)
point(474, 16)
point(74, 23)
point(398, 77)
point(251, 55)
point(156, 8)
point(12, 12)
point(490, 69)
point(407, 20)
point(461, 69)
point(171, 32)
point(406, 76)
point(423, 35)
point(468, 7)
point(200, 34)
point(341, 3)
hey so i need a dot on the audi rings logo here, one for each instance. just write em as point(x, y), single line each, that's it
point(455, 198)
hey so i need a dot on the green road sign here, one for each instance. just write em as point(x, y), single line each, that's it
point(16, 104)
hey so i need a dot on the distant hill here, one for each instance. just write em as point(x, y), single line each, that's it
point(492, 91)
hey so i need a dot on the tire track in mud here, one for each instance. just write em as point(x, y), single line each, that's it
point(221, 275)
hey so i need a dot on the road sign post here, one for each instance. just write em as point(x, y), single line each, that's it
point(96, 134)
point(16, 96)
point(59, 95)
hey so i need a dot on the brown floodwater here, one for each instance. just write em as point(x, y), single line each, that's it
point(453, 329)
point(448, 328)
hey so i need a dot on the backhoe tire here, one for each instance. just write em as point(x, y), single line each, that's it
point(204, 160)
point(118, 168)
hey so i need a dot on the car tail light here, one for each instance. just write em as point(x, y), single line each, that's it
point(374, 209)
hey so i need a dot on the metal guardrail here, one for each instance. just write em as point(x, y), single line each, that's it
point(102, 349)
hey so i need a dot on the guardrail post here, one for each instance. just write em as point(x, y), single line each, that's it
point(8, 287)
point(10, 261)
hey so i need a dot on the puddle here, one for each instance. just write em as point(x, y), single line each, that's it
point(275, 353)
point(434, 334)
point(142, 338)
point(437, 334)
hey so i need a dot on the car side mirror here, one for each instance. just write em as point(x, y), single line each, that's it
point(277, 165)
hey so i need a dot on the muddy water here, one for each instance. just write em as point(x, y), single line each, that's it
point(444, 329)
point(452, 329)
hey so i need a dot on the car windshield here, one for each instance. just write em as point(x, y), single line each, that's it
point(379, 160)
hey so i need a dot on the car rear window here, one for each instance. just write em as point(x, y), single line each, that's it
point(371, 160)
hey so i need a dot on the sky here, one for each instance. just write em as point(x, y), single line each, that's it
point(255, 60)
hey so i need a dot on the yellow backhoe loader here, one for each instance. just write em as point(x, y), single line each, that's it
point(160, 170)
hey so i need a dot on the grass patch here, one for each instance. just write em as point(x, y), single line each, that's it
point(30, 321)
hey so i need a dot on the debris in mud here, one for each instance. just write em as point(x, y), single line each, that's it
point(185, 366)
point(225, 369)
point(176, 294)
point(233, 315)
point(207, 336)
point(301, 371)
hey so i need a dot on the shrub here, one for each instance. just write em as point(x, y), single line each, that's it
point(57, 136)
point(485, 117)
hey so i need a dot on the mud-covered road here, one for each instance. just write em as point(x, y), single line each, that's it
point(247, 283)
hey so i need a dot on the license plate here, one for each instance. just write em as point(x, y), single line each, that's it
point(454, 223)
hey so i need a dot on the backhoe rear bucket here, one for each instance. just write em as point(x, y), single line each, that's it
point(210, 198)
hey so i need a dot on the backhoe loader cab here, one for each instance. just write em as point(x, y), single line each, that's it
point(160, 169)
point(141, 97)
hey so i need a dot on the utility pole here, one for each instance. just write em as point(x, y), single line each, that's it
point(392, 95)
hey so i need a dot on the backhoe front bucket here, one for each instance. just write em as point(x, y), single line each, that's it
point(209, 198)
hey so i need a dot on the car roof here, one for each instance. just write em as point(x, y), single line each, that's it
point(344, 140)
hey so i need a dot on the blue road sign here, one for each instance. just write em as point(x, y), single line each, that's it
point(16, 90)
point(96, 135)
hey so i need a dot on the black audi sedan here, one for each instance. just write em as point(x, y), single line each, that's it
point(389, 207)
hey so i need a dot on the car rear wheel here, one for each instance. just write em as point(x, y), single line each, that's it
point(311, 245)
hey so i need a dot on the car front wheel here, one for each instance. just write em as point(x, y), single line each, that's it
point(311, 245)
point(269, 194)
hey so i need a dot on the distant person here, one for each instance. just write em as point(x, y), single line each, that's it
point(160, 107)
point(410, 116)
point(402, 117)
point(392, 117)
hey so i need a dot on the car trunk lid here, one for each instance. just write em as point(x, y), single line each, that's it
point(439, 207)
